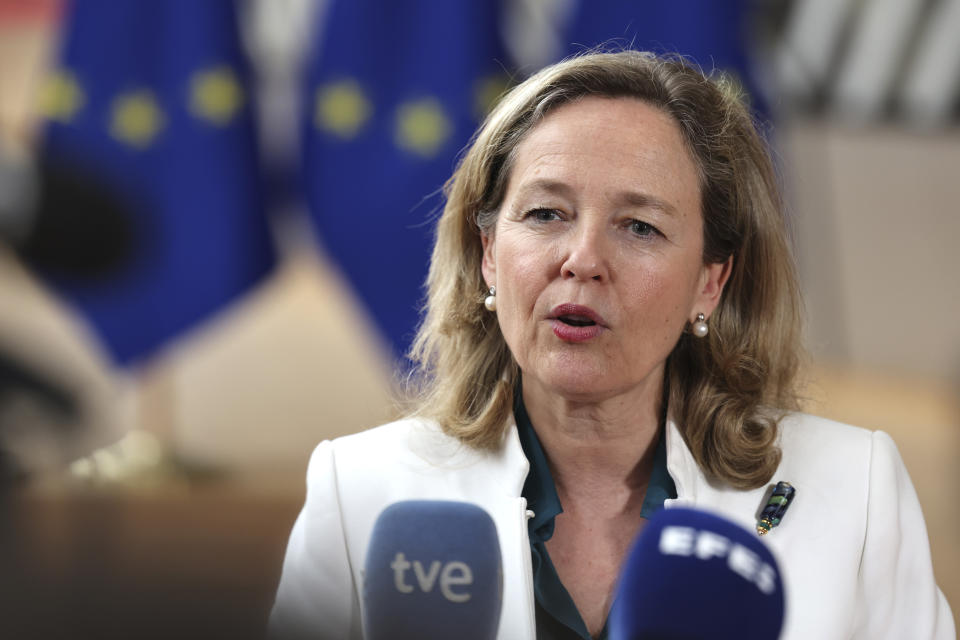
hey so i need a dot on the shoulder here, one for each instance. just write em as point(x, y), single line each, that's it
point(395, 432)
point(866, 502)
point(855, 520)
point(382, 439)
point(819, 447)
point(410, 442)
point(349, 481)
point(802, 431)
point(830, 456)
point(829, 465)
point(415, 454)
point(805, 437)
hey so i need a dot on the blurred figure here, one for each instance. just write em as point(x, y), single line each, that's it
point(57, 402)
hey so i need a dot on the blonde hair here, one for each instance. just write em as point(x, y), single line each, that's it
point(721, 388)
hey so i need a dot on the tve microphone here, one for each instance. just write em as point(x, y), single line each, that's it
point(692, 575)
point(432, 571)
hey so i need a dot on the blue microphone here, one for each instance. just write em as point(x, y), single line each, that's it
point(432, 570)
point(692, 575)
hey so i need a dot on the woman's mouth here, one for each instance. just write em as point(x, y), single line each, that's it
point(576, 323)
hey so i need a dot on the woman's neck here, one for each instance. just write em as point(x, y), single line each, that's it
point(598, 448)
point(601, 457)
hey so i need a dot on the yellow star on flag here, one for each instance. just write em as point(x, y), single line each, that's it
point(215, 95)
point(341, 108)
point(136, 119)
point(60, 97)
point(422, 127)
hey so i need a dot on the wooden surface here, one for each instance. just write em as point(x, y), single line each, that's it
point(197, 562)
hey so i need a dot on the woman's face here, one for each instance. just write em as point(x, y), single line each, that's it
point(597, 249)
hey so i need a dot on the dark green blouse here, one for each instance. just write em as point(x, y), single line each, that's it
point(556, 614)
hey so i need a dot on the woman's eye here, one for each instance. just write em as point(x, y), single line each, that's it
point(544, 215)
point(642, 228)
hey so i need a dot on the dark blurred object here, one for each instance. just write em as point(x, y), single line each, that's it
point(60, 221)
point(58, 398)
point(50, 414)
point(80, 229)
point(63, 221)
point(19, 383)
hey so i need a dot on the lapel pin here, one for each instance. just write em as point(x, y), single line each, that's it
point(776, 507)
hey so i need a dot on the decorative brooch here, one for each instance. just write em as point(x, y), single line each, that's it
point(776, 507)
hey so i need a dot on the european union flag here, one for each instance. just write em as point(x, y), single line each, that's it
point(712, 34)
point(395, 91)
point(150, 100)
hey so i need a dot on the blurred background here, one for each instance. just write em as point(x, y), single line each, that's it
point(215, 222)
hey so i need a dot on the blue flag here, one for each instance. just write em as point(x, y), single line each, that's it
point(394, 92)
point(150, 100)
point(715, 35)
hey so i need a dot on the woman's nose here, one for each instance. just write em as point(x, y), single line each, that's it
point(586, 256)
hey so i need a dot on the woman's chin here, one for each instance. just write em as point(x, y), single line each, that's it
point(575, 381)
point(587, 377)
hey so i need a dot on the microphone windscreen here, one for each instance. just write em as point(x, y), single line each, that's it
point(433, 570)
point(693, 575)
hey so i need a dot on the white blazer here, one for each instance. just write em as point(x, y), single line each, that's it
point(852, 550)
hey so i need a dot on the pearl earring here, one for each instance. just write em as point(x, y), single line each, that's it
point(700, 328)
point(490, 302)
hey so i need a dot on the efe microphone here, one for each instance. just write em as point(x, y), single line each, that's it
point(692, 575)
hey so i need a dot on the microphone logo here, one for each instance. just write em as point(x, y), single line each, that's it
point(452, 574)
point(705, 545)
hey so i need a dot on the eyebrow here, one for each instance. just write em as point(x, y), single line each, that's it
point(628, 197)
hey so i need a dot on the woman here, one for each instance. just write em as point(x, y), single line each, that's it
point(612, 325)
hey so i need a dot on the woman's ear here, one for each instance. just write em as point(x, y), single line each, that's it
point(489, 264)
point(713, 279)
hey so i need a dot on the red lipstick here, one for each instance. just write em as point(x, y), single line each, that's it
point(576, 323)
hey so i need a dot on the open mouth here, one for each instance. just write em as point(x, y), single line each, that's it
point(576, 315)
point(576, 321)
